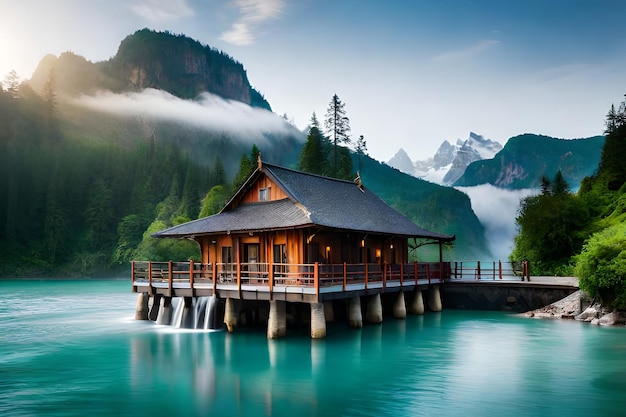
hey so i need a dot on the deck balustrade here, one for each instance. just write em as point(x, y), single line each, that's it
point(267, 277)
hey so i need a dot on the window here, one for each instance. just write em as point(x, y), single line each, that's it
point(264, 194)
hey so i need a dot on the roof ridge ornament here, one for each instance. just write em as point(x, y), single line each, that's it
point(358, 182)
point(259, 163)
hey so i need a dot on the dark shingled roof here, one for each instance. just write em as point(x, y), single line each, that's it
point(313, 200)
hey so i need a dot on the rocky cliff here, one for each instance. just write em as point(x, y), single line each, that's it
point(526, 158)
point(147, 59)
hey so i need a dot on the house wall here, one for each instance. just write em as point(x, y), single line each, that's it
point(275, 192)
point(307, 247)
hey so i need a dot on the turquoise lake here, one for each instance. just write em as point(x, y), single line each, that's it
point(73, 348)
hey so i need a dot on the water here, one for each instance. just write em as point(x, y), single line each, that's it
point(72, 348)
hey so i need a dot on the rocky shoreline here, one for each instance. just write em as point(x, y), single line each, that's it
point(578, 306)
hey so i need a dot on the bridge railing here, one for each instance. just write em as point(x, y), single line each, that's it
point(490, 270)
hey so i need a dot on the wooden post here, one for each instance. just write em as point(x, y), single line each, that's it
point(401, 273)
point(214, 275)
point(345, 275)
point(150, 289)
point(366, 276)
point(478, 270)
point(193, 291)
point(316, 279)
point(238, 269)
point(494, 270)
point(170, 278)
point(500, 268)
point(428, 272)
point(270, 273)
point(132, 274)
point(415, 272)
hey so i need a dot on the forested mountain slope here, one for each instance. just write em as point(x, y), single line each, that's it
point(433, 207)
point(91, 159)
point(526, 158)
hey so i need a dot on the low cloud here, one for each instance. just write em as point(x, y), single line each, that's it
point(208, 112)
point(157, 11)
point(496, 208)
point(252, 15)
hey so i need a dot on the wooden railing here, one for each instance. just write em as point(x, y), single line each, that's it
point(170, 274)
point(494, 270)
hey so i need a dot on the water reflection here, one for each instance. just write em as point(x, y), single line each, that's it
point(421, 363)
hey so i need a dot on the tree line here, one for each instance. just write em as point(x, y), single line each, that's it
point(583, 233)
point(72, 206)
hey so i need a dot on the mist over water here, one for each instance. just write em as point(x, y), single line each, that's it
point(497, 208)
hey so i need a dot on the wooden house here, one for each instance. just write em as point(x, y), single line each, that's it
point(299, 237)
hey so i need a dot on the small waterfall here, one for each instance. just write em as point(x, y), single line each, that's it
point(209, 314)
point(164, 315)
point(177, 317)
point(199, 312)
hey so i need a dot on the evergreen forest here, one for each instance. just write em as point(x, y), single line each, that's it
point(582, 234)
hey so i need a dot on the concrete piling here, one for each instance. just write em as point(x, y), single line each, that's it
point(374, 312)
point(318, 321)
point(156, 305)
point(230, 315)
point(417, 304)
point(434, 298)
point(277, 322)
point(329, 312)
point(399, 307)
point(141, 309)
point(355, 317)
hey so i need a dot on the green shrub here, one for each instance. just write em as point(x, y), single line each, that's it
point(601, 266)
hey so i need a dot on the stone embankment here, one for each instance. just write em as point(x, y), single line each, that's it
point(578, 306)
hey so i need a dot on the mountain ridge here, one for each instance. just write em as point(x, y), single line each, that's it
point(177, 64)
point(527, 157)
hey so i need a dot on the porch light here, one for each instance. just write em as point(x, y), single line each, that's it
point(378, 253)
point(363, 243)
point(391, 246)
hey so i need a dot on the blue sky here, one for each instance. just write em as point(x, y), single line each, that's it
point(411, 73)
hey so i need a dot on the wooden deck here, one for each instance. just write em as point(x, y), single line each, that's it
point(290, 282)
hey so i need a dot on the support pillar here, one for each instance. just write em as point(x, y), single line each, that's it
point(434, 298)
point(417, 305)
point(165, 311)
point(329, 312)
point(277, 322)
point(141, 309)
point(230, 315)
point(156, 304)
point(355, 317)
point(374, 313)
point(399, 307)
point(318, 321)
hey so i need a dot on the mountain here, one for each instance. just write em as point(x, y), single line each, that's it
point(475, 148)
point(402, 162)
point(147, 59)
point(526, 158)
point(94, 156)
point(450, 161)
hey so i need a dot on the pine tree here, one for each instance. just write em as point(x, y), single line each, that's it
point(337, 126)
point(361, 149)
point(313, 158)
point(50, 97)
